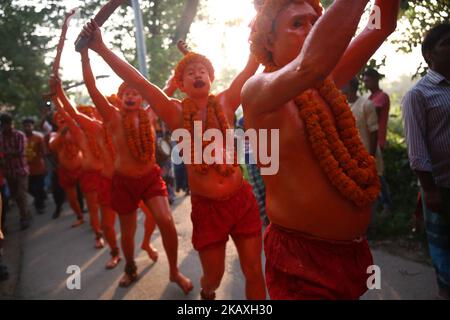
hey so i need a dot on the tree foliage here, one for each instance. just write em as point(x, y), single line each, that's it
point(165, 22)
point(420, 16)
point(29, 30)
point(23, 47)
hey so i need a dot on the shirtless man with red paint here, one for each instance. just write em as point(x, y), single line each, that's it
point(222, 202)
point(136, 175)
point(319, 201)
point(91, 164)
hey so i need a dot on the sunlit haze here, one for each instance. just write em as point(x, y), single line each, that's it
point(223, 39)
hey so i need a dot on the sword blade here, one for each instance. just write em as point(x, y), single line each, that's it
point(105, 12)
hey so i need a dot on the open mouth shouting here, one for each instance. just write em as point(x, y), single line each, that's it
point(199, 84)
point(130, 103)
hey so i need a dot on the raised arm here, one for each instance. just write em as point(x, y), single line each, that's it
point(232, 96)
point(362, 48)
point(321, 52)
point(84, 121)
point(160, 102)
point(74, 129)
point(105, 109)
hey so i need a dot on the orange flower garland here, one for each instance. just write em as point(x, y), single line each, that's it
point(141, 143)
point(92, 141)
point(213, 111)
point(109, 142)
point(71, 149)
point(339, 150)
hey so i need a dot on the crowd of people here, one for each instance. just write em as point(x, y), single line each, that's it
point(316, 209)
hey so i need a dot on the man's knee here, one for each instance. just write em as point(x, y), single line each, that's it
point(163, 217)
point(252, 270)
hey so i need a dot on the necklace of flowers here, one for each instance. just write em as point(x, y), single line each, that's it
point(70, 148)
point(213, 111)
point(109, 143)
point(93, 145)
point(140, 142)
point(338, 148)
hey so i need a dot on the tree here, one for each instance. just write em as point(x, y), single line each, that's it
point(420, 16)
point(23, 47)
point(165, 22)
point(29, 32)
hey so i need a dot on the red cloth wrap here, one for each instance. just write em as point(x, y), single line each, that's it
point(68, 178)
point(90, 180)
point(127, 192)
point(301, 267)
point(214, 220)
point(104, 191)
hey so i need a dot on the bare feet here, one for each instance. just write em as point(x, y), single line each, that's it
point(184, 283)
point(207, 296)
point(77, 223)
point(113, 262)
point(127, 280)
point(129, 276)
point(99, 243)
point(152, 252)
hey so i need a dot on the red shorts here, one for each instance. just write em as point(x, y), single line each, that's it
point(68, 178)
point(214, 220)
point(127, 192)
point(301, 267)
point(104, 191)
point(90, 180)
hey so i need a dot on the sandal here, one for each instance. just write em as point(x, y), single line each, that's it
point(115, 259)
point(77, 223)
point(204, 296)
point(99, 242)
point(129, 276)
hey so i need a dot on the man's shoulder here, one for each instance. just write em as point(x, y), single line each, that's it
point(415, 92)
point(38, 135)
point(19, 133)
point(380, 99)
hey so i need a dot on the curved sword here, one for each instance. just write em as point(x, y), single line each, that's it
point(105, 12)
point(62, 38)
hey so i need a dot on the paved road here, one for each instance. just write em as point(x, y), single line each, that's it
point(40, 257)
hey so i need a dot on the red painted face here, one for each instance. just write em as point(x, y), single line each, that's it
point(292, 26)
point(132, 99)
point(59, 120)
point(196, 80)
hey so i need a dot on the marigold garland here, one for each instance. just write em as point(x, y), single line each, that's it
point(338, 149)
point(213, 111)
point(141, 143)
point(92, 140)
point(70, 149)
point(109, 143)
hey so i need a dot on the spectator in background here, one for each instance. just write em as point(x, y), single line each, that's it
point(426, 114)
point(3, 269)
point(15, 167)
point(381, 101)
point(3, 197)
point(35, 152)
